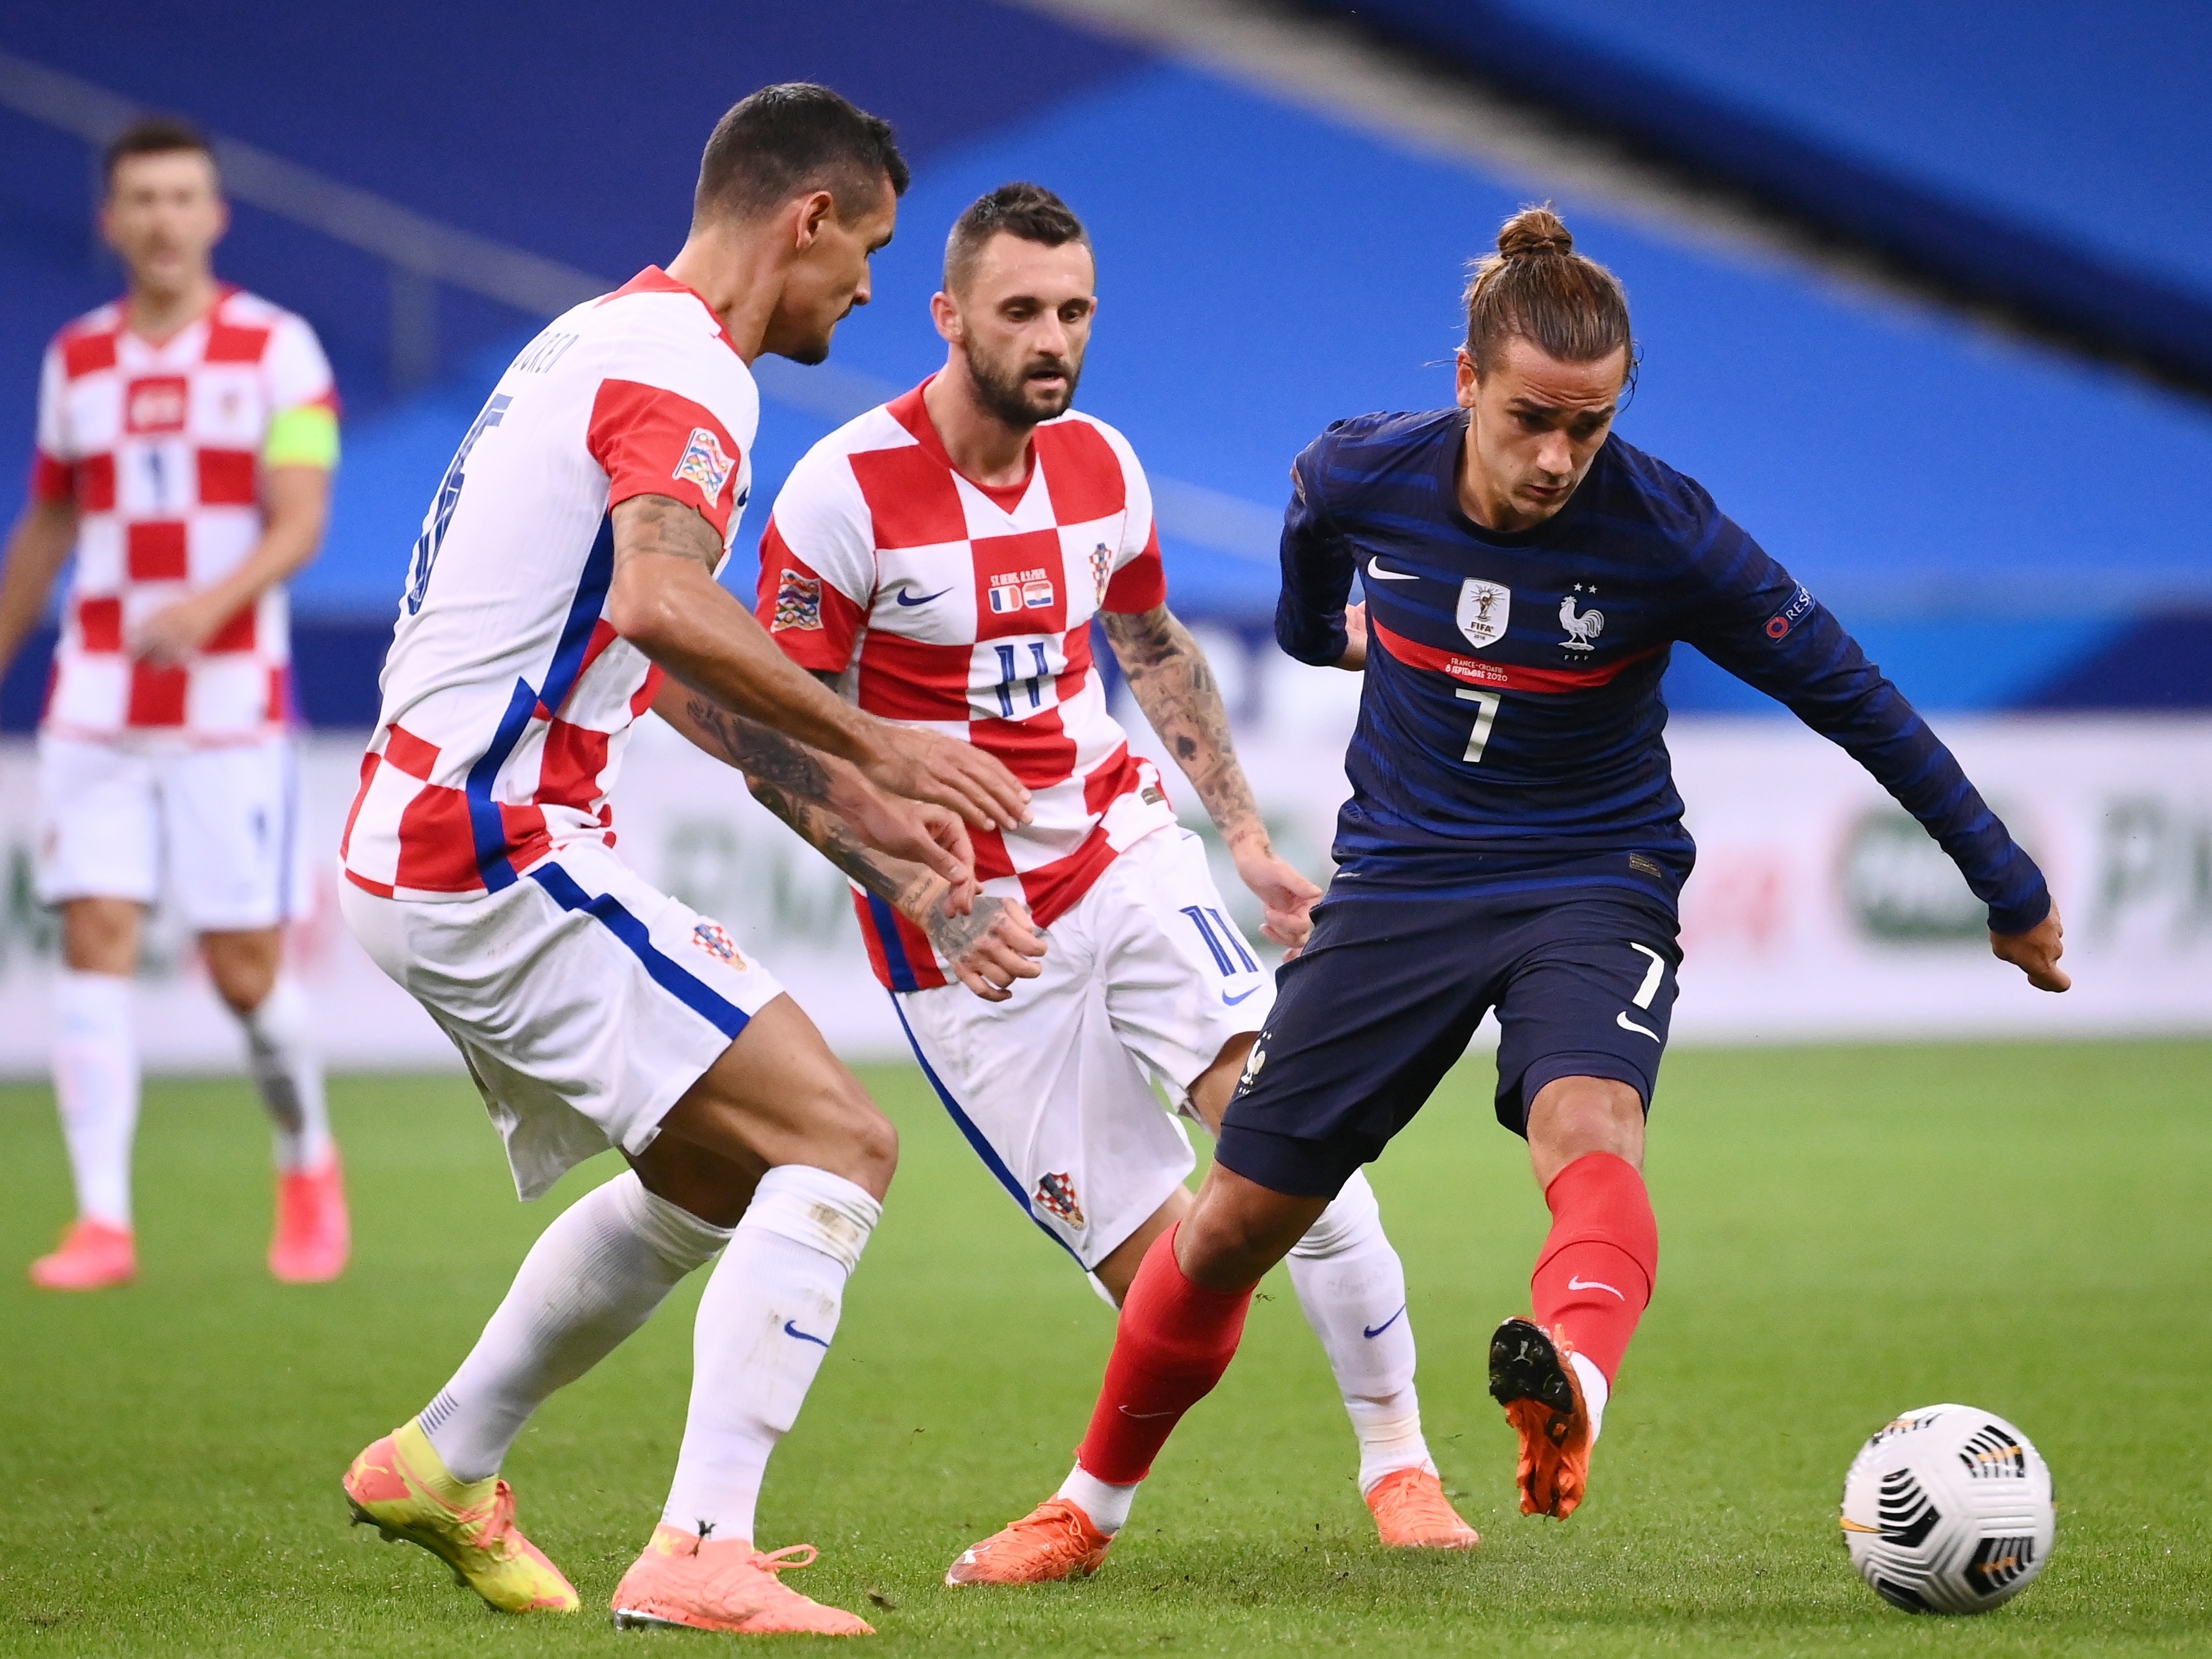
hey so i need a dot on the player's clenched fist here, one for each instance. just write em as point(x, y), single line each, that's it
point(924, 765)
point(2036, 953)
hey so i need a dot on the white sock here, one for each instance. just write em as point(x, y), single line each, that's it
point(96, 1083)
point(593, 1277)
point(765, 1324)
point(289, 1074)
point(1107, 1506)
point(1352, 1287)
point(1595, 1390)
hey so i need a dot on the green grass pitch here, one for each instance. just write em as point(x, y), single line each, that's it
point(1848, 1232)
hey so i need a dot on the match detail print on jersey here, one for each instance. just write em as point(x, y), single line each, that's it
point(939, 602)
point(161, 449)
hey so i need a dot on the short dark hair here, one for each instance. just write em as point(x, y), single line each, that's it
point(1029, 211)
point(154, 135)
point(787, 140)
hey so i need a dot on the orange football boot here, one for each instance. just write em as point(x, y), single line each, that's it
point(1543, 1399)
point(723, 1585)
point(1054, 1541)
point(93, 1257)
point(314, 1234)
point(1413, 1513)
point(402, 1487)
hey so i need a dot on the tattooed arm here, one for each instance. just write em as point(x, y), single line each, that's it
point(1170, 679)
point(988, 942)
point(665, 601)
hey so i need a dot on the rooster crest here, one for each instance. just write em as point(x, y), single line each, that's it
point(1581, 629)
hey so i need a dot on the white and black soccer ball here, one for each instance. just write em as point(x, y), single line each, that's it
point(1947, 1510)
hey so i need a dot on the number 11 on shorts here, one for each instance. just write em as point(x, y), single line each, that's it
point(1487, 702)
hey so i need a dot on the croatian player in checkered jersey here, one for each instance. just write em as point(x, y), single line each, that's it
point(939, 561)
point(563, 585)
point(186, 437)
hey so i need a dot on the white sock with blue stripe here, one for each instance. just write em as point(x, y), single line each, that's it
point(1352, 1287)
point(765, 1324)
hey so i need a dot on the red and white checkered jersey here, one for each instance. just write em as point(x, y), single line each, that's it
point(945, 604)
point(508, 697)
point(159, 447)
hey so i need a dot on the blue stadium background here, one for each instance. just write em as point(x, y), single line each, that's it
point(2008, 525)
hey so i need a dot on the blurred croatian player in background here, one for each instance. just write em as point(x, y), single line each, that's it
point(1514, 840)
point(939, 561)
point(186, 437)
point(564, 585)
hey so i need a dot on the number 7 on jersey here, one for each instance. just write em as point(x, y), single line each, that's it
point(1486, 702)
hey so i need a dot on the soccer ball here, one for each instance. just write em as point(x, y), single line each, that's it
point(1947, 1510)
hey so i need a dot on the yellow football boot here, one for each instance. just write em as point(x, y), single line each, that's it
point(400, 1486)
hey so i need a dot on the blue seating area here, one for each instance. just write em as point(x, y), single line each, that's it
point(1997, 520)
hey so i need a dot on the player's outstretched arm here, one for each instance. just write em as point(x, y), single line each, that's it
point(36, 548)
point(922, 865)
point(2036, 953)
point(665, 601)
point(1170, 679)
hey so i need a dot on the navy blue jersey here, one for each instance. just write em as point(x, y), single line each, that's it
point(1511, 710)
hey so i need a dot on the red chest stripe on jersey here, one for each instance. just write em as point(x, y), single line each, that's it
point(235, 635)
point(157, 695)
point(226, 478)
point(154, 551)
point(1038, 751)
point(228, 342)
point(1081, 472)
point(904, 679)
point(1117, 775)
point(88, 354)
point(99, 623)
point(1507, 677)
point(1019, 584)
point(911, 496)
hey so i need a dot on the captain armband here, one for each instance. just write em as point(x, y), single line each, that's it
point(306, 436)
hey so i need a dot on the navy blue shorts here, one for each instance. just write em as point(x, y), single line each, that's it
point(1384, 998)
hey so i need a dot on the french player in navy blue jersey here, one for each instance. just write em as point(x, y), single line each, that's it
point(1514, 842)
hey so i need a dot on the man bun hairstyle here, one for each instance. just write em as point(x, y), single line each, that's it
point(154, 135)
point(790, 140)
point(1029, 211)
point(1536, 287)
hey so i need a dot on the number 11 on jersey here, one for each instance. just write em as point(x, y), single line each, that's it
point(1487, 702)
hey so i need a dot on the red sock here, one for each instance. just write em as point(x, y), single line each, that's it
point(1598, 1265)
point(1175, 1340)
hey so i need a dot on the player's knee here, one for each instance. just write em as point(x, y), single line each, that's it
point(865, 1145)
point(1572, 1117)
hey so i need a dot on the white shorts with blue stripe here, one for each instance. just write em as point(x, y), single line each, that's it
point(585, 1000)
point(1144, 982)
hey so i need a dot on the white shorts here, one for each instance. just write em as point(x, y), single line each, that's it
point(225, 821)
point(1144, 981)
point(584, 1000)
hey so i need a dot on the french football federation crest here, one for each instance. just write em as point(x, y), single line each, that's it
point(1056, 1193)
point(1582, 630)
point(1484, 608)
point(705, 464)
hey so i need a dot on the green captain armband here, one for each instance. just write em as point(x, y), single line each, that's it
point(306, 436)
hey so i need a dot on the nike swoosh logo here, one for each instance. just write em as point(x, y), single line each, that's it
point(904, 598)
point(1627, 1024)
point(790, 1329)
point(1382, 576)
point(1239, 997)
point(1142, 1416)
point(1370, 1333)
point(1574, 1283)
